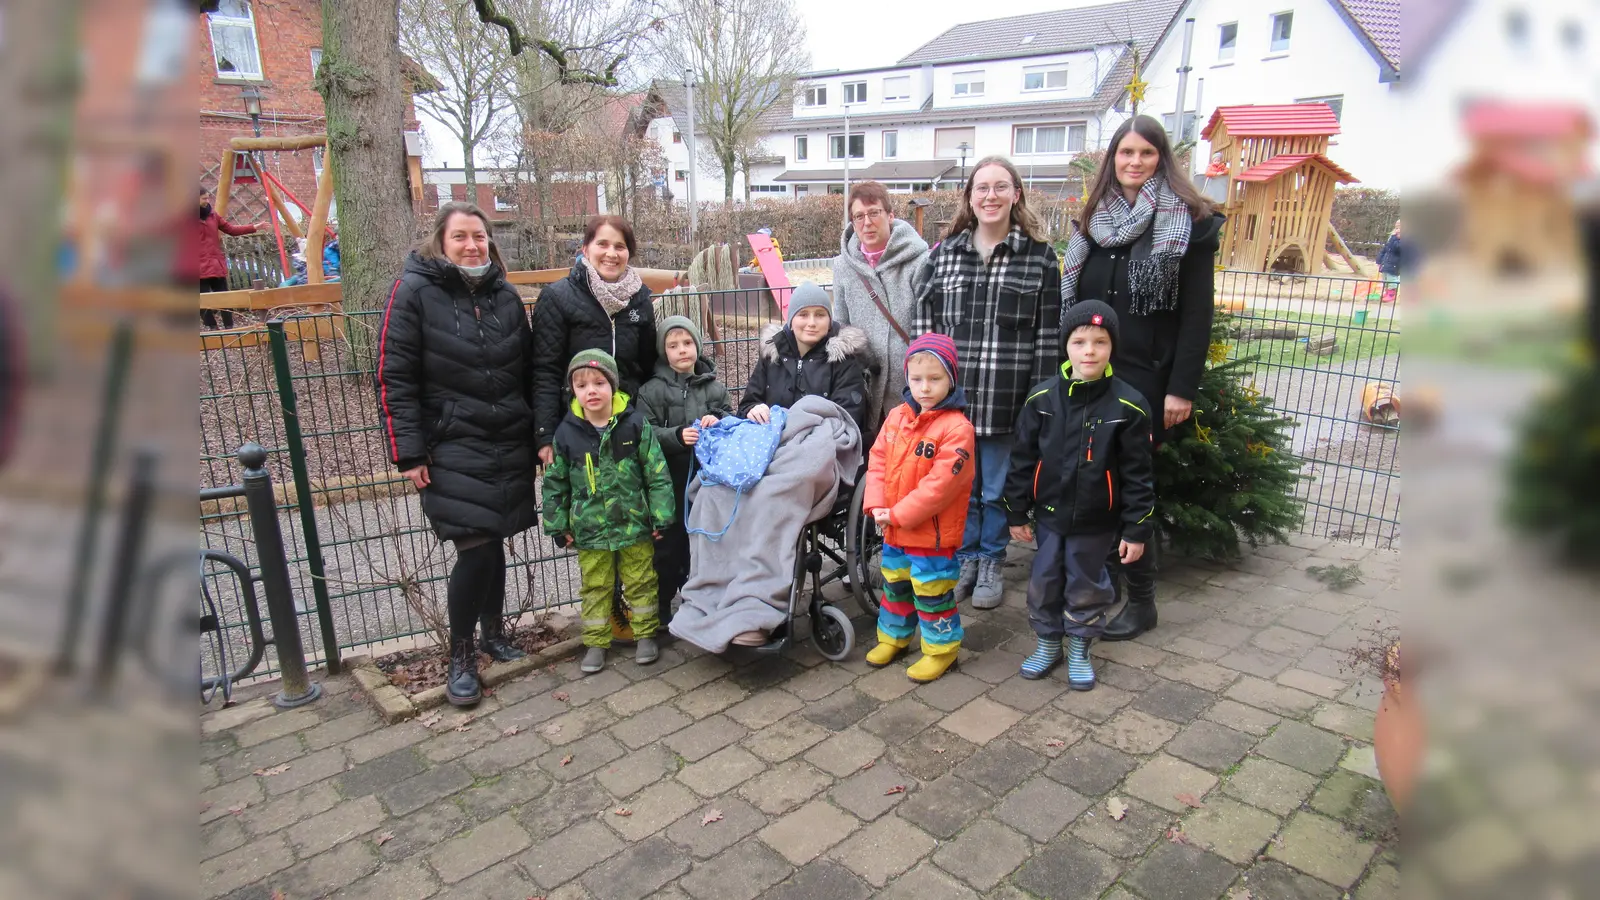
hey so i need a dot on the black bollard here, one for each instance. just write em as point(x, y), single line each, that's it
point(119, 586)
point(297, 687)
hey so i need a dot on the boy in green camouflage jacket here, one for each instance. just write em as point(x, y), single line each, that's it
point(608, 493)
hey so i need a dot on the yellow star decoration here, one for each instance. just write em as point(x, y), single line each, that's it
point(1260, 449)
point(1218, 354)
point(1136, 89)
point(1202, 432)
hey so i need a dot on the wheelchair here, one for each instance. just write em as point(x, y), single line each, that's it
point(843, 546)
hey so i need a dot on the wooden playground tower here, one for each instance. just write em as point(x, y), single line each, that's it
point(1279, 200)
point(247, 150)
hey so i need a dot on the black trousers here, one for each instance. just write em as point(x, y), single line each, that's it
point(1069, 590)
point(208, 317)
point(477, 589)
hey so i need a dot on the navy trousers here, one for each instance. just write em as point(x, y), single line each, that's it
point(1069, 590)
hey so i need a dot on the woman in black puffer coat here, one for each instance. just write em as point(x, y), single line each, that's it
point(454, 384)
point(601, 305)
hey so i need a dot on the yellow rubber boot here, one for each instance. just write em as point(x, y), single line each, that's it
point(931, 666)
point(887, 650)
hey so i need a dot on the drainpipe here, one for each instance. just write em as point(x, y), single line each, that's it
point(694, 208)
point(1183, 79)
point(1195, 155)
point(847, 162)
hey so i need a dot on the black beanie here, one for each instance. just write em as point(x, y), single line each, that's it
point(1088, 312)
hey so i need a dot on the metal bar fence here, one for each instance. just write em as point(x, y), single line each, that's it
point(385, 571)
point(1351, 463)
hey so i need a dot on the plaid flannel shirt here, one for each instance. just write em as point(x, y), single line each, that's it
point(1005, 317)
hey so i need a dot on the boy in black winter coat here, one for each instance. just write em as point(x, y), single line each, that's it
point(1082, 467)
point(683, 397)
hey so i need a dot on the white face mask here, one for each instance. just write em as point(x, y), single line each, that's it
point(475, 271)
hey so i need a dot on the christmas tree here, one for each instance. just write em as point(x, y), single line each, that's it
point(1227, 473)
point(1554, 471)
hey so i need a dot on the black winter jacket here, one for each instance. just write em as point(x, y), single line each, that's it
point(568, 319)
point(1164, 352)
point(833, 369)
point(1392, 256)
point(454, 382)
point(1081, 463)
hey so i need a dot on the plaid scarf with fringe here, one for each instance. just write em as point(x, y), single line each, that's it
point(1155, 251)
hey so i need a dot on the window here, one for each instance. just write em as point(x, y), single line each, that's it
point(817, 96)
point(891, 144)
point(1048, 138)
point(1227, 40)
point(677, 137)
point(922, 186)
point(1282, 24)
point(233, 40)
point(1335, 103)
point(800, 190)
point(947, 142)
point(855, 92)
point(1188, 126)
point(316, 60)
point(800, 148)
point(769, 189)
point(897, 88)
point(836, 189)
point(969, 84)
point(680, 174)
point(504, 199)
point(858, 145)
point(1044, 78)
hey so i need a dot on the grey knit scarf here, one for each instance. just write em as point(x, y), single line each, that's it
point(614, 296)
point(1156, 251)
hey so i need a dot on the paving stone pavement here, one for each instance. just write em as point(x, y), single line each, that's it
point(1232, 733)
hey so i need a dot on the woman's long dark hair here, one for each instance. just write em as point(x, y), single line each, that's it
point(1105, 177)
point(433, 247)
point(1020, 213)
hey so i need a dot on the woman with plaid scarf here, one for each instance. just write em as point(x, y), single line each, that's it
point(1144, 243)
point(994, 287)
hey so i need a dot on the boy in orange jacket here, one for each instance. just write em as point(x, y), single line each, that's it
point(918, 484)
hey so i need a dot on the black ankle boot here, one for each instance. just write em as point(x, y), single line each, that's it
point(1139, 615)
point(495, 643)
point(461, 683)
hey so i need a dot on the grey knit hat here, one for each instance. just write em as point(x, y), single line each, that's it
point(807, 295)
point(665, 326)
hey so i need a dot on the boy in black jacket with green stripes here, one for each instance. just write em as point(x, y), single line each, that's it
point(1081, 466)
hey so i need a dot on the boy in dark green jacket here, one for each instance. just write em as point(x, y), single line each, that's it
point(683, 397)
point(608, 494)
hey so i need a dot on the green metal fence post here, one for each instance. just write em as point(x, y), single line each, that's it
point(302, 489)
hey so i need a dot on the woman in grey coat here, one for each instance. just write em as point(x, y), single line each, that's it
point(880, 255)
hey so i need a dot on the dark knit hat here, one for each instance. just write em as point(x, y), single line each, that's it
point(1088, 312)
point(941, 347)
point(665, 327)
point(595, 359)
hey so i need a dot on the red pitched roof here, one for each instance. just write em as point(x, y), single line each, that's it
point(1494, 118)
point(1285, 162)
point(1266, 121)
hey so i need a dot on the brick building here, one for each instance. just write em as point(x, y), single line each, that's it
point(275, 47)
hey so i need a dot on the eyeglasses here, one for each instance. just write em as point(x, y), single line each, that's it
point(862, 218)
point(999, 190)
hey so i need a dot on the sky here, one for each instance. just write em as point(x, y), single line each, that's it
point(846, 34)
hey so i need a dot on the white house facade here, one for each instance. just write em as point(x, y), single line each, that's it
point(1341, 52)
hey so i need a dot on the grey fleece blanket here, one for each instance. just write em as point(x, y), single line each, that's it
point(741, 583)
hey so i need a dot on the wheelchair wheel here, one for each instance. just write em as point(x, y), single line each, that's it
point(864, 554)
point(833, 633)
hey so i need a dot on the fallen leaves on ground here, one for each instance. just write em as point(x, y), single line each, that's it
point(622, 811)
point(463, 727)
point(566, 759)
point(430, 721)
point(552, 728)
point(1177, 836)
point(238, 809)
point(1055, 743)
point(940, 750)
point(868, 764)
point(1117, 808)
point(1189, 801)
point(385, 838)
point(714, 815)
point(1244, 894)
point(897, 789)
point(563, 696)
point(510, 732)
point(278, 895)
point(275, 770)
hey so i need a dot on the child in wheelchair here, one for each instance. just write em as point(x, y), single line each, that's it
point(919, 480)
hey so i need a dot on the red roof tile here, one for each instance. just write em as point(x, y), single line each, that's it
point(1267, 121)
point(1285, 162)
point(1505, 119)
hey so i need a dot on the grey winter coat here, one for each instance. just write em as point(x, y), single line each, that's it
point(897, 279)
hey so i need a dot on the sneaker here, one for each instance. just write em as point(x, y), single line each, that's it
point(594, 659)
point(646, 652)
point(991, 587)
point(969, 578)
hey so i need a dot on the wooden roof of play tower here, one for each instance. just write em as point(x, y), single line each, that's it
point(1280, 186)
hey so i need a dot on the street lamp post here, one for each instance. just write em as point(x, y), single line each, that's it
point(965, 149)
point(694, 206)
point(252, 106)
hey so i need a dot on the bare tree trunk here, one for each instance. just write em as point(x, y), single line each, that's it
point(469, 169)
point(38, 84)
point(729, 165)
point(364, 94)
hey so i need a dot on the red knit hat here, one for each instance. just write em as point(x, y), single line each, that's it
point(942, 348)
